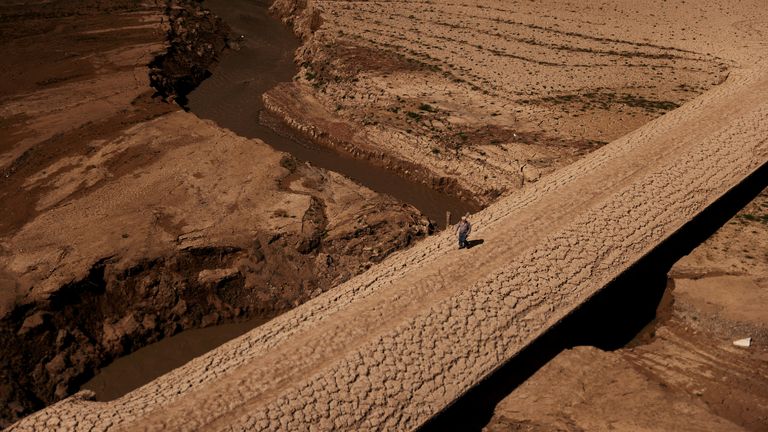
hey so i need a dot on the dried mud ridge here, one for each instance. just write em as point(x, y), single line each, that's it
point(196, 38)
point(394, 346)
point(476, 99)
point(277, 116)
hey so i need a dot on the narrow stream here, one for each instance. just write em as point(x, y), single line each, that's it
point(232, 99)
point(142, 366)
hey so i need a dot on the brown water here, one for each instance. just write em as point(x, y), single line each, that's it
point(142, 366)
point(232, 98)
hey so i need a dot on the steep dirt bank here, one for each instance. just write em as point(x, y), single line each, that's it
point(126, 220)
point(196, 37)
point(682, 372)
point(482, 98)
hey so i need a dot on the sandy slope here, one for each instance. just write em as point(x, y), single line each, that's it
point(392, 347)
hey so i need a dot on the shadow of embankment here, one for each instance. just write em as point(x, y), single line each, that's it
point(609, 320)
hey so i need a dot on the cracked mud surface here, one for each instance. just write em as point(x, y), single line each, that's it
point(682, 372)
point(423, 324)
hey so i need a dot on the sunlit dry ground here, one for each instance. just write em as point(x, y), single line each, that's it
point(495, 93)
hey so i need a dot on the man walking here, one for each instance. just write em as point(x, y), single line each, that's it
point(463, 229)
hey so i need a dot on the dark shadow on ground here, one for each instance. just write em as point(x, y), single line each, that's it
point(473, 243)
point(610, 320)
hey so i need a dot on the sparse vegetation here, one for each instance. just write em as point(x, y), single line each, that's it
point(753, 218)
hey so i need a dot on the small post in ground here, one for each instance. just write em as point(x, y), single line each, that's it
point(447, 220)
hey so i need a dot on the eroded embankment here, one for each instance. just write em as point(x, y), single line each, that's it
point(54, 346)
point(196, 37)
point(478, 98)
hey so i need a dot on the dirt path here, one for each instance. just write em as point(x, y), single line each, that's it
point(409, 336)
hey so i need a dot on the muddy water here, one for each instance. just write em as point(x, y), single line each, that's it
point(144, 365)
point(232, 98)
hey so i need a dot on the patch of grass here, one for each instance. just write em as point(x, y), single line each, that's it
point(749, 217)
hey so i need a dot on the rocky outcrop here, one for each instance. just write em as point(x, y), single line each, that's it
point(195, 39)
point(301, 15)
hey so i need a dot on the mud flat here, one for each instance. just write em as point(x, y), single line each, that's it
point(485, 97)
point(515, 91)
point(127, 220)
point(168, 211)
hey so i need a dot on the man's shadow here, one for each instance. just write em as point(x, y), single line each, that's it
point(473, 243)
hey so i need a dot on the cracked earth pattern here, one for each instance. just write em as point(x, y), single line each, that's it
point(394, 346)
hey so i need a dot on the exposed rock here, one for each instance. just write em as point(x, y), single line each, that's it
point(530, 174)
point(196, 37)
point(216, 276)
point(34, 321)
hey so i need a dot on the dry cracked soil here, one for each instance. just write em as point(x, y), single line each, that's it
point(126, 219)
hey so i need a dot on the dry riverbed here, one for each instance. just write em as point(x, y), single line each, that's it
point(126, 219)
